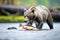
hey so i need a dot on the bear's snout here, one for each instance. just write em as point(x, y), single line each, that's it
point(26, 19)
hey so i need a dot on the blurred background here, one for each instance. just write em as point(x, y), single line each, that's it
point(12, 10)
point(11, 16)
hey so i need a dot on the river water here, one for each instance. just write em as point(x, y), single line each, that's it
point(19, 34)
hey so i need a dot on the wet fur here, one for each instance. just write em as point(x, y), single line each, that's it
point(40, 14)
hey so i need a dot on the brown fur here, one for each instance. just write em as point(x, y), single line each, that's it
point(39, 14)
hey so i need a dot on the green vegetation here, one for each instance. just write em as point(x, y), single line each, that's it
point(48, 3)
point(28, 2)
point(11, 18)
point(43, 2)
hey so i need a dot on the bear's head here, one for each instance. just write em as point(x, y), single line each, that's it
point(29, 13)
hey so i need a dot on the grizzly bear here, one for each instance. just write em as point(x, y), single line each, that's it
point(38, 14)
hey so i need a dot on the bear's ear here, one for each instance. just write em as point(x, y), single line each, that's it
point(33, 9)
point(25, 9)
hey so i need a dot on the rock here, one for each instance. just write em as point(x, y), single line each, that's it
point(11, 28)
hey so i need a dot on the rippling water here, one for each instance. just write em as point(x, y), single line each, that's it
point(29, 35)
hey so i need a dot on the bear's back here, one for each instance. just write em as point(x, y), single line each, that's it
point(42, 11)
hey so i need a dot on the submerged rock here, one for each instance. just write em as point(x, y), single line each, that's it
point(11, 28)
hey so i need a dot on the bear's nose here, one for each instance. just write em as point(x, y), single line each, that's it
point(25, 21)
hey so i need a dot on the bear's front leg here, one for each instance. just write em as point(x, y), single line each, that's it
point(29, 23)
point(39, 25)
